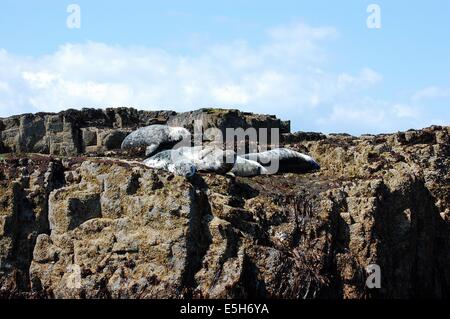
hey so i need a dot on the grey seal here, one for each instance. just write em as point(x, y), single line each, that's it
point(248, 168)
point(289, 161)
point(210, 159)
point(164, 160)
point(155, 138)
point(186, 161)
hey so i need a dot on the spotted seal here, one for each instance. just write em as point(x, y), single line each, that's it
point(155, 138)
point(186, 161)
point(289, 161)
point(165, 160)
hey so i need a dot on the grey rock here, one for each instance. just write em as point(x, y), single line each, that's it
point(375, 200)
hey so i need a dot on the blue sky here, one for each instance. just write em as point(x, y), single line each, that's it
point(314, 62)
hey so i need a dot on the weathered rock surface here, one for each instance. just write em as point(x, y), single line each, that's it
point(97, 131)
point(102, 227)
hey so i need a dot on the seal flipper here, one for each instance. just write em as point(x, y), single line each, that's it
point(151, 149)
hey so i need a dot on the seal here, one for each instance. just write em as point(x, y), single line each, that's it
point(155, 138)
point(248, 168)
point(186, 161)
point(289, 161)
point(210, 159)
point(171, 161)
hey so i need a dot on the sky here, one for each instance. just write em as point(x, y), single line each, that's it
point(316, 63)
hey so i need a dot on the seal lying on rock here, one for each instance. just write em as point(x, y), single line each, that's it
point(186, 161)
point(247, 168)
point(155, 138)
point(210, 159)
point(163, 160)
point(289, 161)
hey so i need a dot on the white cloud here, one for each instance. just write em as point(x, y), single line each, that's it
point(280, 74)
point(366, 78)
point(431, 92)
point(39, 80)
point(364, 114)
point(284, 75)
point(231, 94)
point(406, 111)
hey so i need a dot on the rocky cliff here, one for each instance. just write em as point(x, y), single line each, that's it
point(105, 226)
point(76, 132)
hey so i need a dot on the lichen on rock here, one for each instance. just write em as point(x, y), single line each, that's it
point(82, 224)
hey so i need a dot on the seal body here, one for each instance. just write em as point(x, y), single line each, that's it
point(171, 161)
point(210, 159)
point(186, 161)
point(155, 138)
point(288, 161)
point(248, 168)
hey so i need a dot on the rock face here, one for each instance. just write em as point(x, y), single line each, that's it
point(75, 132)
point(103, 227)
point(229, 119)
